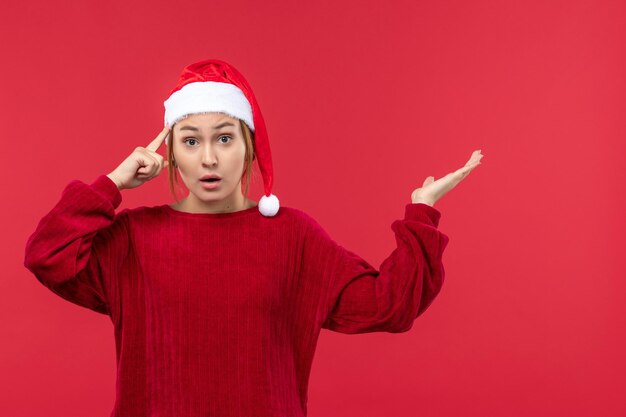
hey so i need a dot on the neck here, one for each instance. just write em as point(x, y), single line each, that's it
point(192, 204)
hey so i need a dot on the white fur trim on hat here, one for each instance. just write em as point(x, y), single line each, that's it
point(268, 206)
point(208, 96)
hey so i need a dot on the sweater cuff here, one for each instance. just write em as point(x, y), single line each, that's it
point(105, 186)
point(422, 212)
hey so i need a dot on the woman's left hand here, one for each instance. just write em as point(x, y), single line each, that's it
point(432, 190)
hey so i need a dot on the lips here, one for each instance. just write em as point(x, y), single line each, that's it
point(210, 178)
point(211, 185)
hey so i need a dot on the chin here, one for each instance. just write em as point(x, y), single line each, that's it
point(212, 195)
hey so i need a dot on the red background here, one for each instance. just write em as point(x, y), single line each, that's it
point(363, 100)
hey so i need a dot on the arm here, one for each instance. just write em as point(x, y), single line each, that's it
point(361, 299)
point(79, 246)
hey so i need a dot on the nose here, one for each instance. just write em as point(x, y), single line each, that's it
point(209, 158)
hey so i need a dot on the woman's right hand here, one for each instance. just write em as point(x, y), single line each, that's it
point(142, 165)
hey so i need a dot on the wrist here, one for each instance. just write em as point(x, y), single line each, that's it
point(428, 203)
point(117, 183)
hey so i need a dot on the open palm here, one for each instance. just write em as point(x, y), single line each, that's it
point(432, 190)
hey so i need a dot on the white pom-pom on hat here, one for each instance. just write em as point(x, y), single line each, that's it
point(269, 205)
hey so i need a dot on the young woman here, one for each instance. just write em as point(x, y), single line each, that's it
point(217, 301)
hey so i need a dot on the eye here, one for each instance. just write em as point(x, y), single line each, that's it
point(189, 139)
point(225, 136)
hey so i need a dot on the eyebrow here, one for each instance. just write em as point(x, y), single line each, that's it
point(195, 129)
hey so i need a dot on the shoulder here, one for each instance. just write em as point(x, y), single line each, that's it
point(298, 216)
point(310, 227)
point(292, 220)
point(141, 214)
point(291, 212)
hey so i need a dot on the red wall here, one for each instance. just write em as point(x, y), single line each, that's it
point(363, 101)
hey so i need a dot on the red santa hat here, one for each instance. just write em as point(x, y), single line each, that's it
point(215, 86)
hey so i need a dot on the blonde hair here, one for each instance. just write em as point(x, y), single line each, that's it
point(249, 158)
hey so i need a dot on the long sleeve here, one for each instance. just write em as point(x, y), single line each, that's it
point(362, 299)
point(78, 247)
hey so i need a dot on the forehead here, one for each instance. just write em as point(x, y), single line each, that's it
point(206, 121)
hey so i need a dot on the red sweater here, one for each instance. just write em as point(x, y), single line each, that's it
point(219, 314)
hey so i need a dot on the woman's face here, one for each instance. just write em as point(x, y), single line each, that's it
point(210, 143)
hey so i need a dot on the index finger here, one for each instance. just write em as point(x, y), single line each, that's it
point(156, 143)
